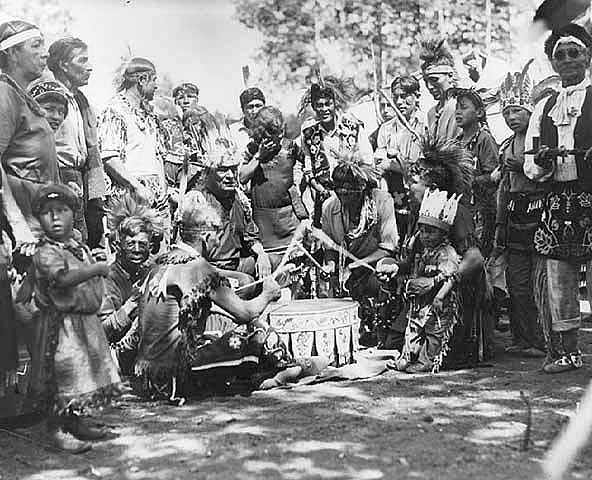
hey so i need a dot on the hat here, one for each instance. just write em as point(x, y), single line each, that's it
point(251, 94)
point(54, 191)
point(49, 90)
point(438, 210)
point(516, 90)
point(185, 88)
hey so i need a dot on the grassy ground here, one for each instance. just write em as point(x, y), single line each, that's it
point(456, 425)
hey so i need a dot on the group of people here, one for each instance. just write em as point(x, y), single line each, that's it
point(146, 242)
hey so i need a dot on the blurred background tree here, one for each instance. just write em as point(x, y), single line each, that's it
point(51, 16)
point(371, 40)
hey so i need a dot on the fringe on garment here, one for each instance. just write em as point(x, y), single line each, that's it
point(541, 298)
point(455, 308)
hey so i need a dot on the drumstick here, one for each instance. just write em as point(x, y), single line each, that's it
point(284, 269)
point(324, 238)
point(312, 259)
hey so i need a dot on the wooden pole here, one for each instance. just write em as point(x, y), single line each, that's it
point(488, 27)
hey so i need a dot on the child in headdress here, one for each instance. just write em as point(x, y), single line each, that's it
point(71, 363)
point(432, 316)
point(477, 138)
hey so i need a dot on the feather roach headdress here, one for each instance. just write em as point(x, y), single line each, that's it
point(123, 211)
point(446, 165)
point(351, 169)
point(435, 56)
point(331, 87)
point(516, 90)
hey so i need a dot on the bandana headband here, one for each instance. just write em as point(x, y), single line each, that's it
point(19, 38)
point(568, 39)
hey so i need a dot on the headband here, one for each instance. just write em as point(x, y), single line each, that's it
point(19, 38)
point(439, 69)
point(568, 39)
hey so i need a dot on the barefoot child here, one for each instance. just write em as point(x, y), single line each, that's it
point(433, 299)
point(71, 365)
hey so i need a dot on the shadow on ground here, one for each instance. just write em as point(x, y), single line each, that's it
point(460, 425)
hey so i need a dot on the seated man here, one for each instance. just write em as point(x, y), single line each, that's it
point(361, 220)
point(238, 246)
point(277, 205)
point(175, 349)
point(134, 228)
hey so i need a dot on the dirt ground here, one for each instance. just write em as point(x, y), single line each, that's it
point(456, 425)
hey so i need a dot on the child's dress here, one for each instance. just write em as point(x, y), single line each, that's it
point(72, 365)
point(428, 332)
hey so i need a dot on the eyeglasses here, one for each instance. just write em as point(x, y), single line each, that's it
point(348, 191)
point(572, 53)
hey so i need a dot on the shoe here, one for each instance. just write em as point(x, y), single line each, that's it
point(532, 352)
point(69, 443)
point(563, 364)
point(81, 430)
point(514, 349)
point(418, 368)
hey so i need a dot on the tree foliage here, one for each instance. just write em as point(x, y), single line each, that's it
point(343, 37)
point(51, 16)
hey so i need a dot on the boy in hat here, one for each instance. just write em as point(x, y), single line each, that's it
point(72, 367)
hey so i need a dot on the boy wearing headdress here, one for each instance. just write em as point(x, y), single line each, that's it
point(439, 75)
point(432, 315)
point(519, 205)
point(562, 164)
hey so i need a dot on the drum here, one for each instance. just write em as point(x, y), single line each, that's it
point(328, 327)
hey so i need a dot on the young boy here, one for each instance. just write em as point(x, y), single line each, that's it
point(71, 364)
point(52, 99)
point(476, 137)
point(432, 315)
point(519, 205)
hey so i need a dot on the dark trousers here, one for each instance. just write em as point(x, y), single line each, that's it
point(524, 325)
point(94, 221)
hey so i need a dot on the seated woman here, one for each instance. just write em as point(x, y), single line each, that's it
point(175, 349)
point(445, 165)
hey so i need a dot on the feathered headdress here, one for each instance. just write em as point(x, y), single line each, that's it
point(446, 164)
point(437, 209)
point(339, 90)
point(351, 168)
point(121, 211)
point(435, 56)
point(516, 89)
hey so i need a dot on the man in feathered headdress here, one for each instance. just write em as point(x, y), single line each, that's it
point(130, 139)
point(361, 219)
point(133, 227)
point(439, 75)
point(518, 211)
point(239, 246)
point(332, 133)
point(560, 136)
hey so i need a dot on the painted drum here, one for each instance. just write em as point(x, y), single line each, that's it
point(327, 327)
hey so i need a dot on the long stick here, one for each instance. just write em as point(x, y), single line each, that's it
point(574, 437)
point(324, 238)
point(261, 280)
point(400, 116)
